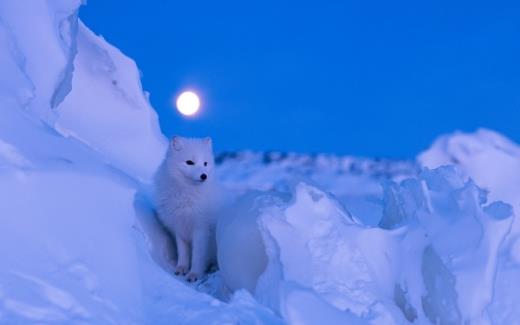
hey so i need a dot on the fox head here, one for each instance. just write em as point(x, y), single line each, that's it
point(191, 159)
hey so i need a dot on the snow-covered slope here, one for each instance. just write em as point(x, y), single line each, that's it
point(312, 239)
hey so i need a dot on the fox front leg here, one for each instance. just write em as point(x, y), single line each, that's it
point(183, 256)
point(199, 258)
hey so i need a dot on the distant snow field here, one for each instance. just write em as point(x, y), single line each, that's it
point(307, 239)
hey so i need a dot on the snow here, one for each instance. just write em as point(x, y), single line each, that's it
point(493, 162)
point(306, 239)
point(356, 182)
point(108, 74)
point(314, 245)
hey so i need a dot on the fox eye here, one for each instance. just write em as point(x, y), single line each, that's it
point(205, 163)
point(190, 162)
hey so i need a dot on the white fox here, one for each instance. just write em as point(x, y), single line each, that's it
point(186, 201)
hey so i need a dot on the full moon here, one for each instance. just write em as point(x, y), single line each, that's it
point(188, 103)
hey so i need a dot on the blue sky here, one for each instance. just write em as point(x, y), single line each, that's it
point(369, 78)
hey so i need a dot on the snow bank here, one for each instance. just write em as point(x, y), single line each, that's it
point(77, 84)
point(439, 237)
point(126, 132)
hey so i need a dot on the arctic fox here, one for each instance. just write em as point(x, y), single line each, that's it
point(186, 201)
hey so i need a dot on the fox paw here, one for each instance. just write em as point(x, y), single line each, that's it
point(192, 277)
point(181, 270)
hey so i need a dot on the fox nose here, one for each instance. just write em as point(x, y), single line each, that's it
point(203, 177)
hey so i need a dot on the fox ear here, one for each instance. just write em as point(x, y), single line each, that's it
point(176, 143)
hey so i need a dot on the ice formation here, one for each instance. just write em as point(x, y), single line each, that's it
point(493, 162)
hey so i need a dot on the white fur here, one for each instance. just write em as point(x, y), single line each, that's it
point(186, 205)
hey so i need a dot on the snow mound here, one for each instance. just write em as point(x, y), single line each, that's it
point(439, 236)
